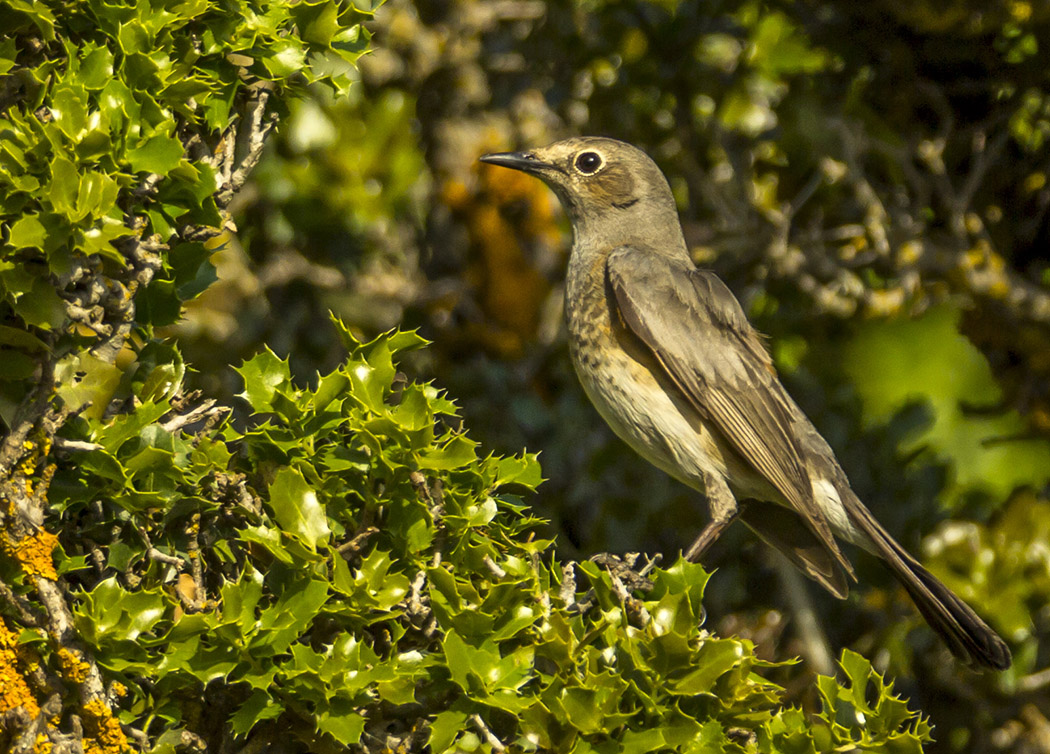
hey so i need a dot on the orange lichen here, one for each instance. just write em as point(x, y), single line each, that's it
point(34, 552)
point(506, 217)
point(14, 691)
point(73, 668)
point(102, 733)
point(455, 195)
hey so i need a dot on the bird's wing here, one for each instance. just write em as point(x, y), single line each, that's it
point(696, 329)
point(787, 532)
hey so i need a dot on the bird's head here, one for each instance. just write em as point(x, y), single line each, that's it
point(598, 180)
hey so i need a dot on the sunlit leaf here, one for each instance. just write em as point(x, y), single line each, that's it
point(297, 507)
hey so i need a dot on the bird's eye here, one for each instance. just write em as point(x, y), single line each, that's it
point(589, 163)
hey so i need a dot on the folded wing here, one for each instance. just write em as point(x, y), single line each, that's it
point(695, 328)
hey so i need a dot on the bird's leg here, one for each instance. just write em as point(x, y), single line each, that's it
point(707, 537)
point(724, 511)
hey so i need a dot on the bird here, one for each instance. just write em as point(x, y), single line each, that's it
point(667, 356)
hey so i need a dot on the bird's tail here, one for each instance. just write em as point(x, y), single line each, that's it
point(968, 637)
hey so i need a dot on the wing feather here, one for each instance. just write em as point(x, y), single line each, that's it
point(696, 329)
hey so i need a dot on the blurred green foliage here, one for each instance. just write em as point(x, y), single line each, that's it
point(366, 188)
point(928, 361)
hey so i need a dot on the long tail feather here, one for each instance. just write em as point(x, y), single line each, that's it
point(968, 637)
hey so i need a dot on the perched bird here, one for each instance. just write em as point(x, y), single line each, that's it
point(667, 356)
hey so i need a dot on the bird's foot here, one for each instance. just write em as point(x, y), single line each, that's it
point(626, 569)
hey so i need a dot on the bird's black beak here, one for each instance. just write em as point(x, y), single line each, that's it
point(524, 161)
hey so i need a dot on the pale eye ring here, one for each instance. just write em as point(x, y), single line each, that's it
point(588, 162)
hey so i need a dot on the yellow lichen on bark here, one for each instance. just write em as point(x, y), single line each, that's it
point(73, 668)
point(34, 553)
point(43, 744)
point(14, 691)
point(102, 733)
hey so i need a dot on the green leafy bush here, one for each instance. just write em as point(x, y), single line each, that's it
point(126, 129)
point(349, 570)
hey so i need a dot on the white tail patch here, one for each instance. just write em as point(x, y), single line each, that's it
point(830, 503)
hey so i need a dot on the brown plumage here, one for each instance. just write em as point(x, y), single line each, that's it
point(667, 356)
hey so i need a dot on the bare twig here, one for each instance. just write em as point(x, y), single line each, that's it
point(98, 559)
point(1034, 681)
point(650, 564)
point(205, 410)
point(490, 737)
point(193, 553)
point(148, 187)
point(139, 737)
point(623, 568)
point(567, 592)
point(154, 554)
point(629, 600)
point(433, 499)
point(229, 153)
point(354, 546)
point(544, 597)
point(62, 443)
point(192, 741)
point(494, 569)
point(415, 607)
point(258, 129)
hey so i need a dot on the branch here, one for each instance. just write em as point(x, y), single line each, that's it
point(490, 737)
point(29, 413)
point(567, 592)
point(205, 410)
point(256, 137)
point(193, 552)
point(28, 614)
point(352, 547)
point(493, 568)
point(62, 443)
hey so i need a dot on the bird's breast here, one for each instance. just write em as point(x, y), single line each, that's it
point(628, 386)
